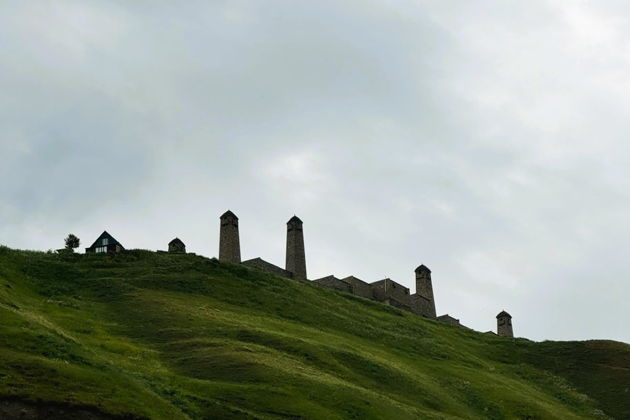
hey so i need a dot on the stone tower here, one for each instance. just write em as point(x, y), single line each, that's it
point(176, 246)
point(296, 260)
point(424, 287)
point(229, 245)
point(504, 325)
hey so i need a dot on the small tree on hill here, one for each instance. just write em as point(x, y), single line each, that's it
point(72, 242)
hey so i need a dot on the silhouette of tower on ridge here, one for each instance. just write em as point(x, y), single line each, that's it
point(504, 324)
point(296, 259)
point(229, 244)
point(424, 287)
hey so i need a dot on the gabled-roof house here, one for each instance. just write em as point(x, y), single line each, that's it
point(105, 243)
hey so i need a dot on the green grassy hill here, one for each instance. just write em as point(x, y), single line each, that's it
point(163, 336)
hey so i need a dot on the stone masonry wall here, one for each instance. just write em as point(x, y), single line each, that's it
point(405, 306)
point(447, 319)
point(229, 243)
point(504, 325)
point(263, 265)
point(177, 247)
point(424, 287)
point(384, 289)
point(359, 287)
point(295, 257)
point(332, 282)
point(422, 306)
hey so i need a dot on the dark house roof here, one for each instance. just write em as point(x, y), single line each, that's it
point(112, 240)
point(504, 314)
point(176, 241)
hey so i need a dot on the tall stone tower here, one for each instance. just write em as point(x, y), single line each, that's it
point(229, 244)
point(504, 324)
point(296, 260)
point(424, 287)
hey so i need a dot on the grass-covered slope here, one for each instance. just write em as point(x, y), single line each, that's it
point(180, 336)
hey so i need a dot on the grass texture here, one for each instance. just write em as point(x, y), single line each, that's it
point(161, 336)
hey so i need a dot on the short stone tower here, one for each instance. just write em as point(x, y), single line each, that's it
point(504, 324)
point(229, 244)
point(424, 287)
point(176, 246)
point(296, 259)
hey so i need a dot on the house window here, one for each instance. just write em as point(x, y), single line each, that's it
point(105, 241)
point(100, 249)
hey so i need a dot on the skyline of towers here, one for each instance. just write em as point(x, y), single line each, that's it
point(421, 303)
point(295, 255)
point(230, 250)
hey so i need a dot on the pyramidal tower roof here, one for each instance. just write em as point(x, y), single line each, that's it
point(228, 214)
point(422, 268)
point(295, 219)
point(503, 314)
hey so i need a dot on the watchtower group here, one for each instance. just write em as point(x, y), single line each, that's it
point(295, 263)
point(386, 290)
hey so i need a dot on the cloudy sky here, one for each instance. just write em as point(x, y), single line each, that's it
point(488, 140)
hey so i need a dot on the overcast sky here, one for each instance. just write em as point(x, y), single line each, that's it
point(488, 140)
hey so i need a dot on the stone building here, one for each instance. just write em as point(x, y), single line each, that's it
point(359, 287)
point(391, 293)
point(504, 324)
point(176, 246)
point(422, 306)
point(105, 244)
point(295, 257)
point(332, 282)
point(423, 298)
point(263, 265)
point(386, 291)
point(447, 319)
point(229, 244)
